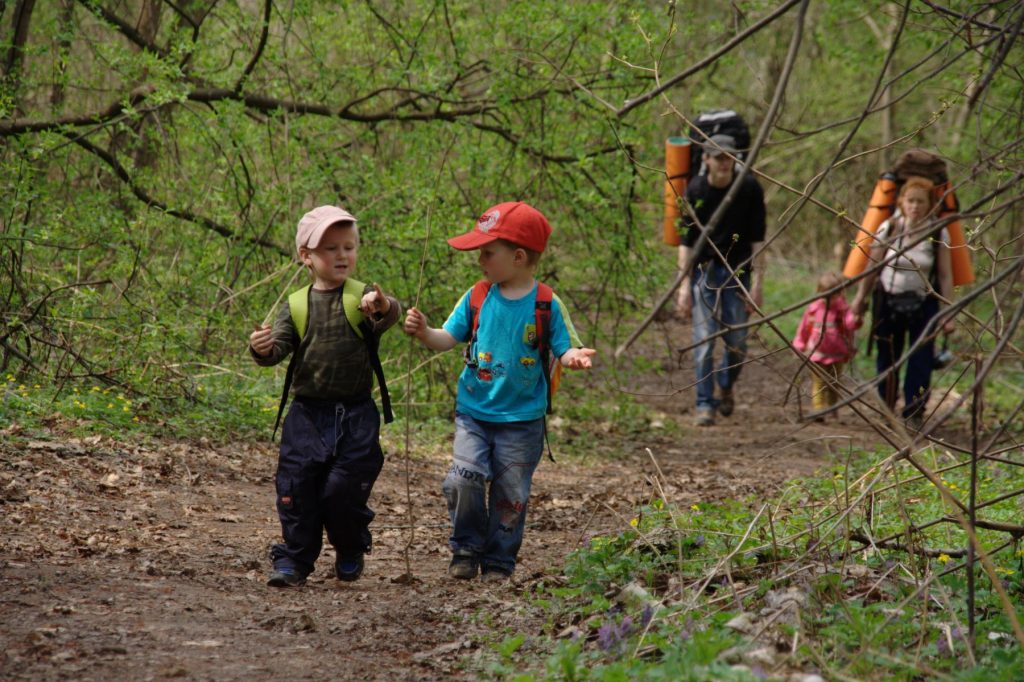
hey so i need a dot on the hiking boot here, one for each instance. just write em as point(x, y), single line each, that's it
point(915, 422)
point(349, 568)
point(285, 577)
point(726, 404)
point(463, 567)
point(705, 416)
point(494, 574)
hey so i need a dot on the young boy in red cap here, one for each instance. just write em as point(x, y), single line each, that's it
point(511, 323)
point(330, 452)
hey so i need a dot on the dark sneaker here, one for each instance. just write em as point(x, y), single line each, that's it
point(915, 422)
point(726, 404)
point(285, 577)
point(705, 416)
point(493, 574)
point(349, 568)
point(463, 567)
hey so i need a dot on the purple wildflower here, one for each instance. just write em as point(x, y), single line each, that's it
point(607, 636)
point(646, 616)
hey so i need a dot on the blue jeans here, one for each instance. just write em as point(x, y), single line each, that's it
point(892, 334)
point(329, 460)
point(488, 486)
point(718, 303)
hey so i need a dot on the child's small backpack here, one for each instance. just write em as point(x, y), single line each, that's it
point(552, 369)
point(351, 296)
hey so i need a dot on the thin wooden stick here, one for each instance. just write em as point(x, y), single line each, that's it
point(409, 369)
point(284, 289)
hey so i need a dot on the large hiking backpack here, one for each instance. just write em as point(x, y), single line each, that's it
point(717, 122)
point(921, 163)
point(550, 366)
point(351, 296)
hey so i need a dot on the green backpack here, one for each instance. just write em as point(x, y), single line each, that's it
point(351, 295)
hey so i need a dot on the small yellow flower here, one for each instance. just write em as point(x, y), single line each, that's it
point(95, 389)
point(10, 377)
point(634, 522)
point(21, 387)
point(110, 405)
point(135, 419)
point(1003, 570)
point(126, 409)
point(36, 386)
point(943, 558)
point(694, 507)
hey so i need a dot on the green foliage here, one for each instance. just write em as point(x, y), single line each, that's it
point(861, 619)
point(156, 234)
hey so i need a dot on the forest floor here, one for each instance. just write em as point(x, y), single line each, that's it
point(130, 561)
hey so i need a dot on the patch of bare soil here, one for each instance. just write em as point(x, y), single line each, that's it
point(122, 561)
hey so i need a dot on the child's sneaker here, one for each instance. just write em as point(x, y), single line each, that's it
point(349, 568)
point(285, 577)
point(463, 567)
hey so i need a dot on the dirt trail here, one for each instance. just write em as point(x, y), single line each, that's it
point(129, 562)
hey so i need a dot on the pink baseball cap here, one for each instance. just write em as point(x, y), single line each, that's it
point(313, 225)
point(513, 221)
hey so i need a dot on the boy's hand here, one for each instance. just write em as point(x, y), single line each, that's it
point(415, 323)
point(261, 341)
point(375, 303)
point(578, 358)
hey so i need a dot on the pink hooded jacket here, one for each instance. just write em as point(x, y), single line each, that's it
point(826, 331)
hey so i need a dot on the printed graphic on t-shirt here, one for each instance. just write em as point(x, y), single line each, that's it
point(530, 334)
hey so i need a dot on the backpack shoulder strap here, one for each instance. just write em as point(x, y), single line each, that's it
point(476, 301)
point(298, 305)
point(542, 320)
point(351, 297)
point(477, 296)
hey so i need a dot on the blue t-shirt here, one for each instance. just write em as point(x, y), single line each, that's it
point(508, 383)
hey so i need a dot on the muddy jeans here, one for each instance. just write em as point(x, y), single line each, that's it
point(488, 486)
point(329, 460)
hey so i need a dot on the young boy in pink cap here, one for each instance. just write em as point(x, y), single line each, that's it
point(330, 452)
point(503, 393)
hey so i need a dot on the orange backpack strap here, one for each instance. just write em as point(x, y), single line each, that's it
point(542, 321)
point(477, 295)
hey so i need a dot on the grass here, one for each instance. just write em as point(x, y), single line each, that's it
point(653, 602)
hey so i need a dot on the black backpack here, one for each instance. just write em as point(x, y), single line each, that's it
point(717, 122)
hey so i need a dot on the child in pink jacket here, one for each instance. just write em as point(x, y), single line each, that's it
point(825, 335)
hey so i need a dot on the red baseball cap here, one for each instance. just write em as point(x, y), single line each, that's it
point(513, 221)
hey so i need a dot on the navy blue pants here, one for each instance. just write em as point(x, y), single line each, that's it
point(329, 460)
point(893, 335)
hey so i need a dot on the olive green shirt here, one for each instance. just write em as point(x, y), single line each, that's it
point(333, 362)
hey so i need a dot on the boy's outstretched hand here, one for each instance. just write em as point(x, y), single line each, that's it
point(375, 303)
point(415, 322)
point(261, 341)
point(578, 358)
